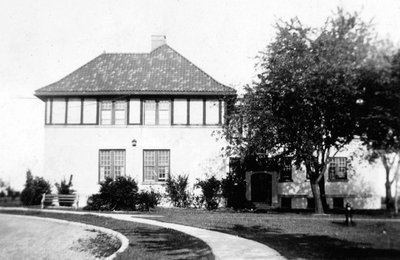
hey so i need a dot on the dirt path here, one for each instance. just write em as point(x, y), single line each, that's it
point(31, 238)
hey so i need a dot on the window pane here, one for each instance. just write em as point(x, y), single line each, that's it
point(150, 112)
point(47, 104)
point(120, 112)
point(196, 112)
point(106, 112)
point(212, 112)
point(74, 111)
point(134, 111)
point(105, 165)
point(180, 111)
point(119, 163)
point(164, 112)
point(58, 111)
point(89, 111)
point(149, 158)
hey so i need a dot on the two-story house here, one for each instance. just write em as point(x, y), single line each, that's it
point(144, 115)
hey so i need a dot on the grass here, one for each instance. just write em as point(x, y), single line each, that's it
point(300, 235)
point(145, 241)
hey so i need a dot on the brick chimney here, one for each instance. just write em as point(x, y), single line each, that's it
point(157, 41)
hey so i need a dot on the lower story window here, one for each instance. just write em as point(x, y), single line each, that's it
point(337, 168)
point(111, 164)
point(156, 164)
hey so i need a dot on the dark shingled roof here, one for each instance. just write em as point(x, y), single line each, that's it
point(162, 71)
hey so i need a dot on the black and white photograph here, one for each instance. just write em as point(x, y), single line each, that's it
point(188, 129)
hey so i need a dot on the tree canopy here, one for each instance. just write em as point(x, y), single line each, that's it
point(305, 102)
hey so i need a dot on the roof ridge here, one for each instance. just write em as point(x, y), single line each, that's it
point(187, 60)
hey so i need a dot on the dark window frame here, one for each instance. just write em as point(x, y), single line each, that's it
point(286, 175)
point(112, 163)
point(333, 176)
point(156, 165)
point(113, 111)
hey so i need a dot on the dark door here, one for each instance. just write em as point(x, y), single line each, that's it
point(261, 184)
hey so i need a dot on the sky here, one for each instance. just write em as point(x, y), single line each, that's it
point(44, 40)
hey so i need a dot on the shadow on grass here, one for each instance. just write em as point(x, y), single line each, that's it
point(295, 246)
point(170, 243)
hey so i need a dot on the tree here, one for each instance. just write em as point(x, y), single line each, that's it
point(305, 101)
point(380, 117)
point(34, 189)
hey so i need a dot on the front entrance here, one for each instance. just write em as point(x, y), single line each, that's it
point(261, 188)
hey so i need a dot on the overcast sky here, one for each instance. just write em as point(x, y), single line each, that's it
point(43, 41)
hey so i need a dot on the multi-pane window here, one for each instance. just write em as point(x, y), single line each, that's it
point(111, 164)
point(196, 112)
point(113, 112)
point(74, 111)
point(286, 170)
point(337, 168)
point(212, 112)
point(58, 116)
point(157, 112)
point(156, 165)
point(180, 111)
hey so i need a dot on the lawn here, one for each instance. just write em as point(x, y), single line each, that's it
point(300, 235)
point(145, 241)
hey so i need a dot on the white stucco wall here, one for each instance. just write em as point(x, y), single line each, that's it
point(363, 188)
point(75, 150)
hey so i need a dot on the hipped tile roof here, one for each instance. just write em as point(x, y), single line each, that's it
point(162, 71)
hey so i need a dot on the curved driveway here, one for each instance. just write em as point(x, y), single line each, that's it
point(223, 246)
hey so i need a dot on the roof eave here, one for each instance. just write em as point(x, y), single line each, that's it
point(42, 94)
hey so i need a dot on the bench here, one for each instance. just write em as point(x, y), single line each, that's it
point(68, 200)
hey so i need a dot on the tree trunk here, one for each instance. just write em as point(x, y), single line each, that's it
point(388, 184)
point(319, 209)
point(322, 191)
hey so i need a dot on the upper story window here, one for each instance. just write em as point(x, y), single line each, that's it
point(337, 168)
point(212, 112)
point(90, 111)
point(59, 111)
point(134, 111)
point(180, 111)
point(74, 111)
point(196, 112)
point(113, 112)
point(157, 112)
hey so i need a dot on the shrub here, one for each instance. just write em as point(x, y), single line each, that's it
point(234, 186)
point(147, 200)
point(210, 188)
point(12, 193)
point(118, 194)
point(65, 188)
point(176, 189)
point(34, 189)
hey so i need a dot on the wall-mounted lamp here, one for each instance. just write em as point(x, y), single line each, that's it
point(134, 142)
